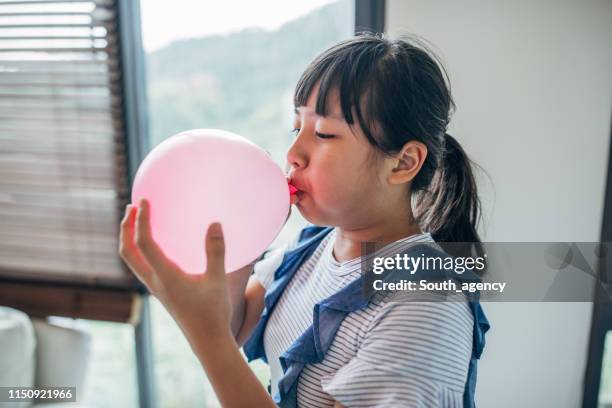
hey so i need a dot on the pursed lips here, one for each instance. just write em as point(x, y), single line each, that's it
point(297, 185)
point(294, 182)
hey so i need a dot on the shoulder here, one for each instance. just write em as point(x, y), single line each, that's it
point(273, 257)
point(413, 350)
point(422, 335)
point(430, 307)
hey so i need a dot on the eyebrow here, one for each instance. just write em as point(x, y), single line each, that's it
point(336, 117)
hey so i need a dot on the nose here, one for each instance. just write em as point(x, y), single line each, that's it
point(296, 155)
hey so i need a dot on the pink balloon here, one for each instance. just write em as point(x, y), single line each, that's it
point(201, 176)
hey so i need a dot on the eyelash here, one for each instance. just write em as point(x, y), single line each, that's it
point(320, 135)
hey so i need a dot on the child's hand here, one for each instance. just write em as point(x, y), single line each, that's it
point(199, 303)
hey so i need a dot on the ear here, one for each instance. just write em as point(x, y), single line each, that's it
point(406, 164)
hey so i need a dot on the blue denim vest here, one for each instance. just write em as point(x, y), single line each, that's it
point(329, 313)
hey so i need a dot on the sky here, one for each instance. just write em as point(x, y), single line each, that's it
point(166, 21)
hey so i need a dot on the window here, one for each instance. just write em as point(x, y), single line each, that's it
point(64, 178)
point(230, 65)
point(69, 138)
point(63, 174)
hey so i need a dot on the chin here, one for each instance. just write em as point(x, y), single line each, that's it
point(306, 215)
point(313, 218)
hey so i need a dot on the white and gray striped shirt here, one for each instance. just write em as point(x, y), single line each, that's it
point(389, 354)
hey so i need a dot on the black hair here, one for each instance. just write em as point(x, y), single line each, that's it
point(400, 92)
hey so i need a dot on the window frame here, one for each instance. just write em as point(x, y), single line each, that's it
point(370, 15)
point(601, 322)
point(137, 145)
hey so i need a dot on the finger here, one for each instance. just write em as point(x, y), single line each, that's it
point(128, 250)
point(215, 250)
point(151, 252)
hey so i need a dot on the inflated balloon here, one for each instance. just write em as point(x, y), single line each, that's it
point(202, 176)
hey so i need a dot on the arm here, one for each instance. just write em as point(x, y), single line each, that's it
point(252, 308)
point(236, 285)
point(247, 298)
point(199, 304)
point(228, 372)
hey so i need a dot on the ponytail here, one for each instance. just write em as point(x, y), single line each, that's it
point(449, 208)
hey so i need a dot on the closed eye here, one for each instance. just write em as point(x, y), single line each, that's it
point(323, 135)
point(320, 135)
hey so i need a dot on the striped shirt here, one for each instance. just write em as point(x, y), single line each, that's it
point(388, 354)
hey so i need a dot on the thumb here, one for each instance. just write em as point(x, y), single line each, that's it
point(215, 250)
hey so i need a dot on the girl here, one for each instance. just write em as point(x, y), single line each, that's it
point(372, 161)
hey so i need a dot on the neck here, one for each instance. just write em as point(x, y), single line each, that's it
point(347, 244)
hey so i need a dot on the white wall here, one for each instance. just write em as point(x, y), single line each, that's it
point(532, 81)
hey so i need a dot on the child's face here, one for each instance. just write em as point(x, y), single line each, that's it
point(340, 184)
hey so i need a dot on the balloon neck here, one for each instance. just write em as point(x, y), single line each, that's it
point(292, 189)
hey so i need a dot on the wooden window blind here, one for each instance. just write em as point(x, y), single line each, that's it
point(63, 160)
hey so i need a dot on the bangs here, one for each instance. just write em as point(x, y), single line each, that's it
point(350, 68)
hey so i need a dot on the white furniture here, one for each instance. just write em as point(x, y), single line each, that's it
point(42, 352)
